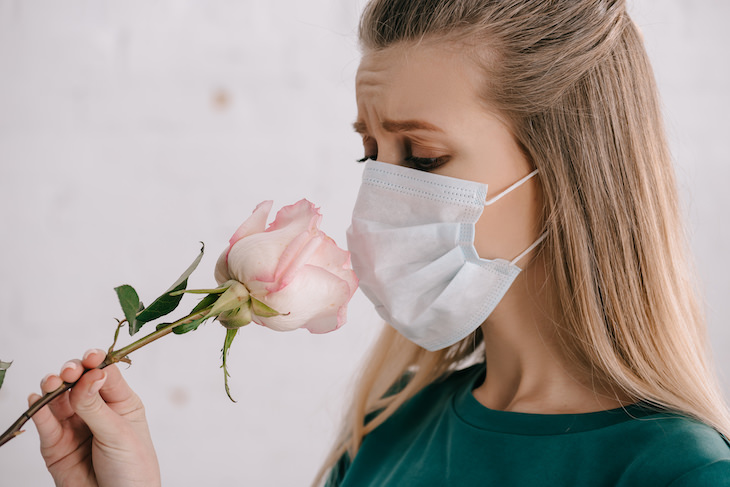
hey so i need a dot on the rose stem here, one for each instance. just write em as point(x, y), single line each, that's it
point(111, 358)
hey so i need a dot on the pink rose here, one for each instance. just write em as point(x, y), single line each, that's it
point(291, 267)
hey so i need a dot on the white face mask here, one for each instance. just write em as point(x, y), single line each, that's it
point(412, 246)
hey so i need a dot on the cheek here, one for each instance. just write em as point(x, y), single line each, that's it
point(510, 225)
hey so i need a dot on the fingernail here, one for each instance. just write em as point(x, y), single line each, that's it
point(44, 379)
point(70, 365)
point(93, 350)
point(97, 385)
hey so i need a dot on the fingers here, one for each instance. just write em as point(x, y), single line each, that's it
point(73, 369)
point(86, 401)
point(60, 407)
point(88, 398)
point(50, 383)
point(70, 372)
point(48, 426)
point(92, 358)
point(117, 392)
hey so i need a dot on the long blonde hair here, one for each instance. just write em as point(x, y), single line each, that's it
point(573, 80)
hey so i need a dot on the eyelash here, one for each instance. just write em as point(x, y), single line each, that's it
point(425, 163)
point(419, 163)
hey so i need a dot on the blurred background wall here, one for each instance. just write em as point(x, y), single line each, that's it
point(131, 130)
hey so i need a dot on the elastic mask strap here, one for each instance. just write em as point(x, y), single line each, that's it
point(529, 249)
point(508, 190)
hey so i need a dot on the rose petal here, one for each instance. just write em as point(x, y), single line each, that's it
point(335, 260)
point(256, 223)
point(296, 255)
point(297, 218)
point(314, 295)
point(319, 325)
point(221, 268)
point(256, 257)
point(292, 267)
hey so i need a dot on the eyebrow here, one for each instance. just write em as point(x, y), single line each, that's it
point(398, 126)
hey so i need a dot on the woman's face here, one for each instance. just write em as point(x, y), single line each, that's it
point(420, 107)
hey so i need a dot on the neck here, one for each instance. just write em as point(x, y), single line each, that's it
point(526, 369)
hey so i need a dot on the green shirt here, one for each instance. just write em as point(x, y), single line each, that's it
point(444, 437)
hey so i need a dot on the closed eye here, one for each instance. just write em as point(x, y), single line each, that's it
point(425, 163)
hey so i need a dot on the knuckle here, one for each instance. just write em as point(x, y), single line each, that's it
point(88, 405)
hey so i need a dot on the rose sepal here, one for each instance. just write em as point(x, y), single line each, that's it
point(234, 298)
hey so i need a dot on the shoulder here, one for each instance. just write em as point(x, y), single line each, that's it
point(412, 414)
point(674, 450)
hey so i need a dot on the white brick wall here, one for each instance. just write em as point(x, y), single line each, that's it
point(130, 130)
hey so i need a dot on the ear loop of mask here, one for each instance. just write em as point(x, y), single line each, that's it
point(507, 191)
point(529, 249)
point(510, 189)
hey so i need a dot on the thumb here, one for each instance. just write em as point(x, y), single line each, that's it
point(91, 408)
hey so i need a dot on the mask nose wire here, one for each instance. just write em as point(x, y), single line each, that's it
point(510, 189)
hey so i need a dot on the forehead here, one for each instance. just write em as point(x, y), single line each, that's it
point(417, 79)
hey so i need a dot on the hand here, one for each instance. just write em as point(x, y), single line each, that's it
point(95, 434)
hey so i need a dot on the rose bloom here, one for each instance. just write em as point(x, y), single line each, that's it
point(292, 267)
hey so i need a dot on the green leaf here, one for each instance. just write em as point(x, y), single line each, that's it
point(230, 335)
point(129, 300)
point(160, 307)
point(167, 303)
point(3, 367)
point(184, 328)
point(207, 301)
point(192, 326)
point(260, 309)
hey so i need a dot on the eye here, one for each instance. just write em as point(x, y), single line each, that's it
point(425, 163)
point(370, 148)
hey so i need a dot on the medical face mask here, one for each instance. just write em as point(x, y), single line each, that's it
point(412, 247)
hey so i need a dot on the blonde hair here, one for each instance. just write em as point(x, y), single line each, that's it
point(573, 80)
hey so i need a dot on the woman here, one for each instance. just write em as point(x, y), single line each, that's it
point(502, 133)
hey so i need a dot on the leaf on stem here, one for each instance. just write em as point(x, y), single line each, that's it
point(230, 335)
point(204, 303)
point(3, 367)
point(192, 326)
point(207, 301)
point(182, 328)
point(129, 300)
point(166, 303)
